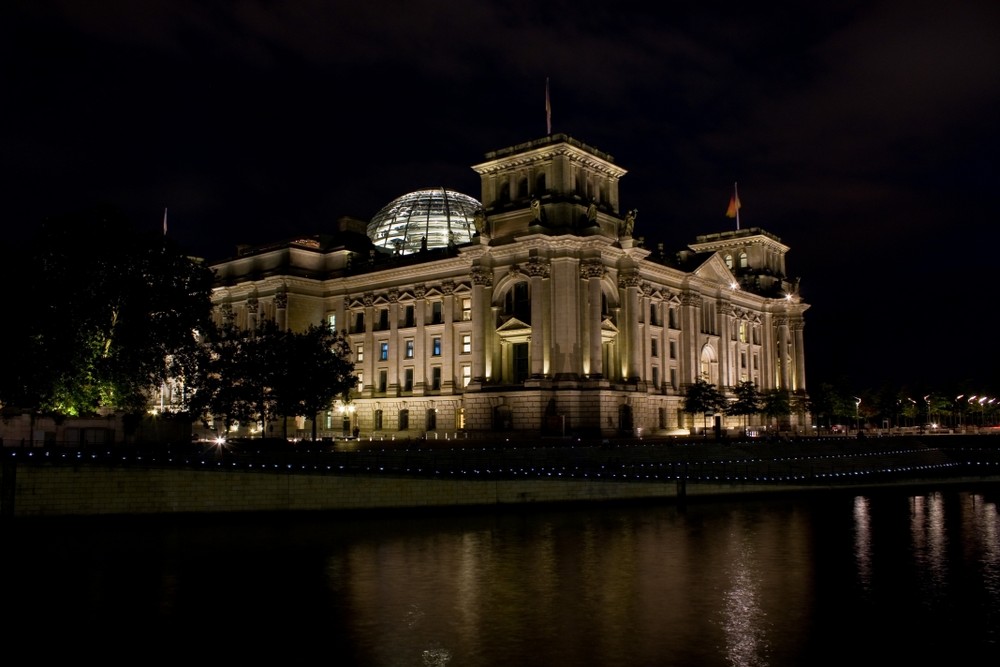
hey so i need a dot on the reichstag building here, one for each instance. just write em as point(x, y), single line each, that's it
point(532, 310)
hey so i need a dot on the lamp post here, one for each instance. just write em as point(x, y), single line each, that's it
point(857, 412)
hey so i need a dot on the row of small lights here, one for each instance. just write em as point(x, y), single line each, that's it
point(557, 472)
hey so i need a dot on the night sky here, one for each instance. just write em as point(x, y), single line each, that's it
point(863, 134)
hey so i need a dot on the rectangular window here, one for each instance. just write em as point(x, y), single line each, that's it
point(656, 377)
point(436, 347)
point(466, 343)
point(408, 380)
point(436, 313)
point(383, 380)
point(378, 420)
point(466, 309)
point(673, 349)
point(409, 321)
point(359, 353)
point(409, 348)
point(466, 375)
point(673, 318)
point(654, 348)
point(383, 319)
point(383, 351)
point(359, 323)
point(743, 359)
point(673, 378)
point(332, 321)
point(361, 382)
point(436, 378)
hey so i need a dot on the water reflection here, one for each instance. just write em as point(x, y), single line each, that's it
point(863, 540)
point(744, 620)
point(912, 578)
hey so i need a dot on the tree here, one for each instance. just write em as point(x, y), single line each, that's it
point(108, 314)
point(240, 383)
point(776, 404)
point(317, 369)
point(747, 402)
point(705, 398)
point(259, 374)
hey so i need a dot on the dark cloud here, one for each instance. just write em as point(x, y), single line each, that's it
point(861, 133)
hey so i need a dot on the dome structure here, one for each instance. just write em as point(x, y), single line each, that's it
point(437, 215)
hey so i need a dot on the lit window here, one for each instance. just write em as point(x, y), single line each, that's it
point(466, 309)
point(466, 375)
point(359, 353)
point(409, 348)
point(383, 353)
point(436, 347)
point(333, 322)
point(466, 343)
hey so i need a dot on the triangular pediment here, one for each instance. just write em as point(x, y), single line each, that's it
point(714, 270)
point(513, 324)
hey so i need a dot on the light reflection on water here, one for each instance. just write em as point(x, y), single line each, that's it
point(751, 583)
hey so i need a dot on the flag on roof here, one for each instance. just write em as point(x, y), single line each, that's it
point(734, 207)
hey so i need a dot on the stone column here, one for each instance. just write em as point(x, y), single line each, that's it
point(395, 354)
point(368, 368)
point(629, 285)
point(450, 350)
point(281, 309)
point(420, 342)
point(253, 305)
point(537, 271)
point(724, 313)
point(784, 372)
point(690, 352)
point(482, 281)
point(798, 345)
point(593, 271)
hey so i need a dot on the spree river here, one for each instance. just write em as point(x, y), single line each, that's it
point(886, 577)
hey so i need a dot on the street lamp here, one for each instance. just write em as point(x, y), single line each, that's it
point(857, 411)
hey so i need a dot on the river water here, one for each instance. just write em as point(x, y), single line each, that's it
point(887, 577)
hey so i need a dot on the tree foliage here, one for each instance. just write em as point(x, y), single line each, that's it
point(107, 314)
point(256, 375)
point(747, 402)
point(704, 398)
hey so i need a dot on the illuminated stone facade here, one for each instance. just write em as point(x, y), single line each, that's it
point(552, 320)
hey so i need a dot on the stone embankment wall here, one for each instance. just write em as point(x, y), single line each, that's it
point(63, 490)
point(63, 482)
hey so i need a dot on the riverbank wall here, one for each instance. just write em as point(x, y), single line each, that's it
point(70, 484)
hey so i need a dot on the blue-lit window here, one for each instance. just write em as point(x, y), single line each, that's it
point(436, 347)
point(383, 353)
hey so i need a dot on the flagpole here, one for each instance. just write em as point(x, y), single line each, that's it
point(548, 109)
point(164, 221)
point(737, 195)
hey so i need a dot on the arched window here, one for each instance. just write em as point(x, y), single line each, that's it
point(743, 260)
point(729, 261)
point(540, 183)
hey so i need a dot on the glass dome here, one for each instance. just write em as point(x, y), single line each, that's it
point(434, 215)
